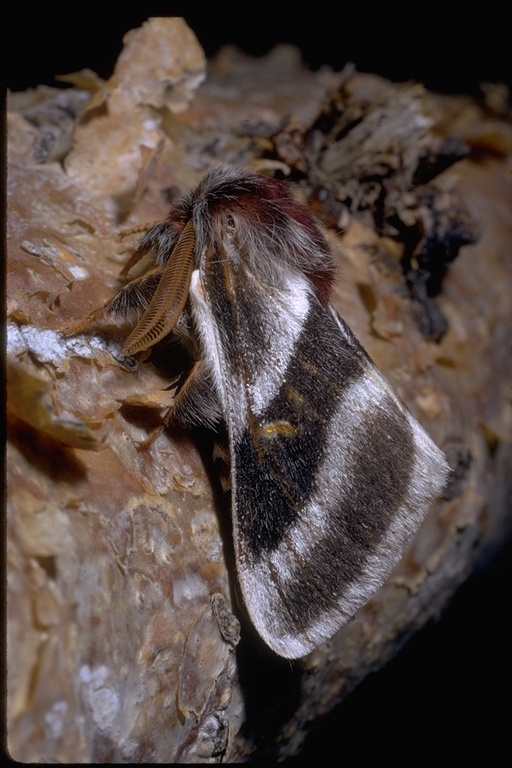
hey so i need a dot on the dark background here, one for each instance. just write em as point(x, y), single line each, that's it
point(448, 51)
point(448, 693)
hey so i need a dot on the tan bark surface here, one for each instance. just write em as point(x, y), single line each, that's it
point(122, 645)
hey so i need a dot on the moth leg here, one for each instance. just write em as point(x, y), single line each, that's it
point(131, 300)
point(195, 403)
point(80, 326)
point(144, 444)
point(160, 239)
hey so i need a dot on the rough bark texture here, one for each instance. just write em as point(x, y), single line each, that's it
point(122, 644)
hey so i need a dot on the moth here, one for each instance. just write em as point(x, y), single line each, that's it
point(331, 476)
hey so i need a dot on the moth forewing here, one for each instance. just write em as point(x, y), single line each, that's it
point(323, 509)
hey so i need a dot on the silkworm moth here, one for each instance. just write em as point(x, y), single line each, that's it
point(331, 476)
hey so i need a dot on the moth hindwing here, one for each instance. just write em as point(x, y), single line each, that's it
point(331, 476)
